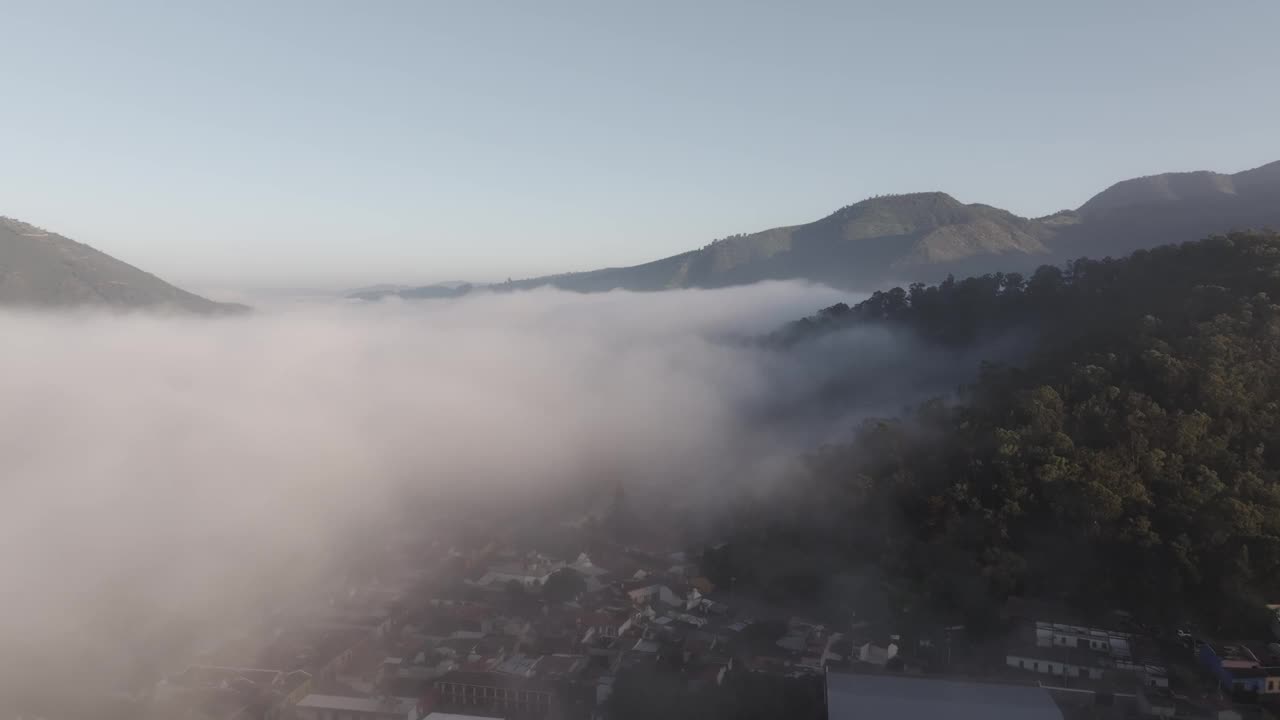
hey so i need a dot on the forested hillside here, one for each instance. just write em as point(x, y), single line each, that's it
point(1133, 461)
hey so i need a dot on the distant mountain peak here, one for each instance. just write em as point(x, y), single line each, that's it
point(1163, 188)
point(1172, 187)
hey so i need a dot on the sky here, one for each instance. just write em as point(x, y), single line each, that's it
point(337, 144)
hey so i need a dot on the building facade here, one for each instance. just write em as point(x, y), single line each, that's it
point(495, 693)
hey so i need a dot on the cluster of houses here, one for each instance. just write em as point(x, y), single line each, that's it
point(1055, 670)
point(509, 632)
point(1130, 670)
point(488, 637)
point(498, 646)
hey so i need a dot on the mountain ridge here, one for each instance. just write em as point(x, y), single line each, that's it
point(925, 236)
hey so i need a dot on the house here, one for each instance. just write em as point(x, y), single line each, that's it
point(331, 707)
point(406, 675)
point(1078, 651)
point(606, 622)
point(1254, 680)
point(586, 568)
point(1271, 686)
point(1154, 676)
point(877, 652)
point(853, 696)
point(561, 667)
point(484, 652)
point(1061, 661)
point(1110, 642)
point(1234, 666)
point(529, 574)
point(647, 593)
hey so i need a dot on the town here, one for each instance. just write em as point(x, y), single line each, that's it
point(473, 628)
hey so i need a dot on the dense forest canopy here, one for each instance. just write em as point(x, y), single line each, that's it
point(1132, 461)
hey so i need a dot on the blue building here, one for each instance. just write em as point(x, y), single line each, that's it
point(1238, 669)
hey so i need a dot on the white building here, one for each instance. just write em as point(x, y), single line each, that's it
point(1066, 662)
point(877, 654)
point(528, 574)
point(1078, 651)
point(1113, 643)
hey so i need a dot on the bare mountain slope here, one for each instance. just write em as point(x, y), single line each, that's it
point(876, 239)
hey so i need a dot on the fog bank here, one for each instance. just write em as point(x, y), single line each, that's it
point(154, 463)
point(159, 465)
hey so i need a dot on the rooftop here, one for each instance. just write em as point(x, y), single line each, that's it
point(1082, 631)
point(558, 666)
point(1234, 652)
point(517, 665)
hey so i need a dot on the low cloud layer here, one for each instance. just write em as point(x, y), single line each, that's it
point(157, 465)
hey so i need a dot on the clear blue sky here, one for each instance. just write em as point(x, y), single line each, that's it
point(336, 143)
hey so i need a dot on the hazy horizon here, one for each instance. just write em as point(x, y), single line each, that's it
point(333, 145)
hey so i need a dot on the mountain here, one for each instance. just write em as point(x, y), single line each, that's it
point(927, 236)
point(1126, 459)
point(858, 244)
point(43, 269)
point(1173, 207)
point(1186, 187)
